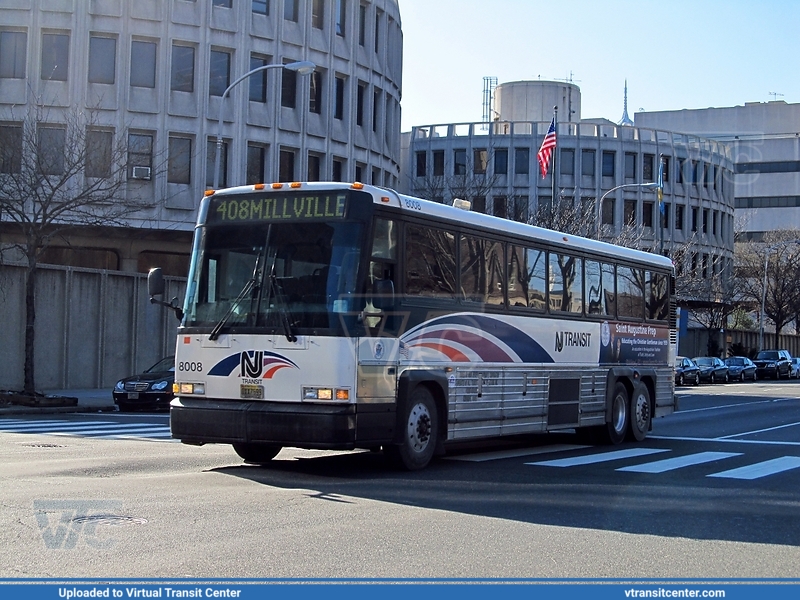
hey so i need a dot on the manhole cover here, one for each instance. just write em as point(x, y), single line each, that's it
point(110, 520)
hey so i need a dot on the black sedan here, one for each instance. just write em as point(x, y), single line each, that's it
point(712, 369)
point(741, 368)
point(686, 371)
point(149, 390)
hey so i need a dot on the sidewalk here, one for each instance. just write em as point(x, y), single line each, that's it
point(88, 401)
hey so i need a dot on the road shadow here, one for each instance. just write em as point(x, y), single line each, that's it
point(592, 497)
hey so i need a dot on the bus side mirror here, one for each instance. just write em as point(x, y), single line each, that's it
point(383, 294)
point(156, 287)
point(155, 282)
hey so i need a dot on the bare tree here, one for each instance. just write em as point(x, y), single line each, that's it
point(58, 171)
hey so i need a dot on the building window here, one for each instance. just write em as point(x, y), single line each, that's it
point(608, 211)
point(143, 64)
point(377, 31)
point(647, 214)
point(288, 88)
point(479, 204)
point(629, 215)
point(140, 154)
point(179, 162)
point(480, 160)
point(341, 17)
point(501, 161)
point(361, 92)
point(438, 163)
point(256, 159)
point(630, 165)
point(261, 7)
point(522, 161)
point(376, 103)
point(567, 163)
point(608, 163)
point(714, 223)
point(499, 207)
point(10, 149)
point(222, 3)
point(705, 220)
point(587, 163)
point(337, 170)
point(50, 148)
point(459, 162)
point(13, 54)
point(211, 163)
point(694, 172)
point(665, 168)
point(359, 172)
point(55, 57)
point(98, 152)
point(318, 14)
point(694, 219)
point(182, 76)
point(220, 72)
point(422, 158)
point(290, 10)
point(286, 166)
point(648, 161)
point(362, 24)
point(665, 215)
point(520, 209)
point(679, 216)
point(102, 59)
point(314, 167)
point(315, 96)
point(258, 80)
point(338, 109)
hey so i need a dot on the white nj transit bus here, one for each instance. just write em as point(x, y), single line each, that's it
point(344, 316)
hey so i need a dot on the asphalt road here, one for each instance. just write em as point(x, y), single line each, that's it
point(711, 493)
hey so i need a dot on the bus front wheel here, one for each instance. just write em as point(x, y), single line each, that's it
point(420, 431)
point(257, 453)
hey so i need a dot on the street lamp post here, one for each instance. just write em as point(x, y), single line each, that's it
point(302, 67)
point(764, 288)
point(650, 185)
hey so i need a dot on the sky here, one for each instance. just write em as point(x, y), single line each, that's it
point(674, 54)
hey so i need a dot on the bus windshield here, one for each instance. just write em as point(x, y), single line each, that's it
point(275, 277)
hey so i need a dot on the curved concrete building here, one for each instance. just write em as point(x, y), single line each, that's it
point(155, 71)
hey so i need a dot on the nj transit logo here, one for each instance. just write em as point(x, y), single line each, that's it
point(252, 364)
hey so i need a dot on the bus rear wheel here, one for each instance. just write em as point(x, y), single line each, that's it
point(640, 413)
point(420, 430)
point(616, 429)
point(257, 453)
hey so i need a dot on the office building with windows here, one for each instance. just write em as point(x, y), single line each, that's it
point(493, 164)
point(155, 71)
point(764, 138)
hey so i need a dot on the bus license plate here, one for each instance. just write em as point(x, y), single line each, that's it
point(251, 392)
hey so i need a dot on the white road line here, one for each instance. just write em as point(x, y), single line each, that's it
point(80, 427)
point(23, 423)
point(692, 410)
point(130, 429)
point(669, 464)
point(762, 469)
point(598, 458)
point(61, 425)
point(735, 435)
point(501, 454)
point(721, 440)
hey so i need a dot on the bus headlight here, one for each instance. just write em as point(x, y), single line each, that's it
point(189, 389)
point(314, 393)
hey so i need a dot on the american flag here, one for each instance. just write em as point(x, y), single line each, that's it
point(548, 144)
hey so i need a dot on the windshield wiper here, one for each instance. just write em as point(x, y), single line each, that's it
point(245, 290)
point(280, 304)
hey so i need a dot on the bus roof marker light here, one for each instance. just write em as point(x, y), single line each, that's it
point(358, 186)
point(210, 193)
point(295, 185)
point(385, 199)
point(277, 186)
point(462, 204)
point(259, 186)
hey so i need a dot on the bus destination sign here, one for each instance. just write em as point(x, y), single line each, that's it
point(263, 208)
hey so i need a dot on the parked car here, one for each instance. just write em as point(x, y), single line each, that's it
point(773, 363)
point(686, 371)
point(741, 368)
point(795, 367)
point(712, 369)
point(149, 390)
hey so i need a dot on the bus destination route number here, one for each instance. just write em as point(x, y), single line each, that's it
point(278, 208)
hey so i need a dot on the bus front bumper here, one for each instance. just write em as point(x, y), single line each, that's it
point(312, 426)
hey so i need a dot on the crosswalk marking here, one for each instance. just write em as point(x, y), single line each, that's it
point(598, 458)
point(100, 429)
point(762, 469)
point(501, 454)
point(669, 464)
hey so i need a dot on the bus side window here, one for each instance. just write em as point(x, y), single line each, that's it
point(384, 242)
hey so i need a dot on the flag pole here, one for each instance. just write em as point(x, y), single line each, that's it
point(555, 183)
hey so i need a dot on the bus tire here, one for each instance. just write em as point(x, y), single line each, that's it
point(617, 428)
point(419, 429)
point(257, 453)
point(640, 413)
